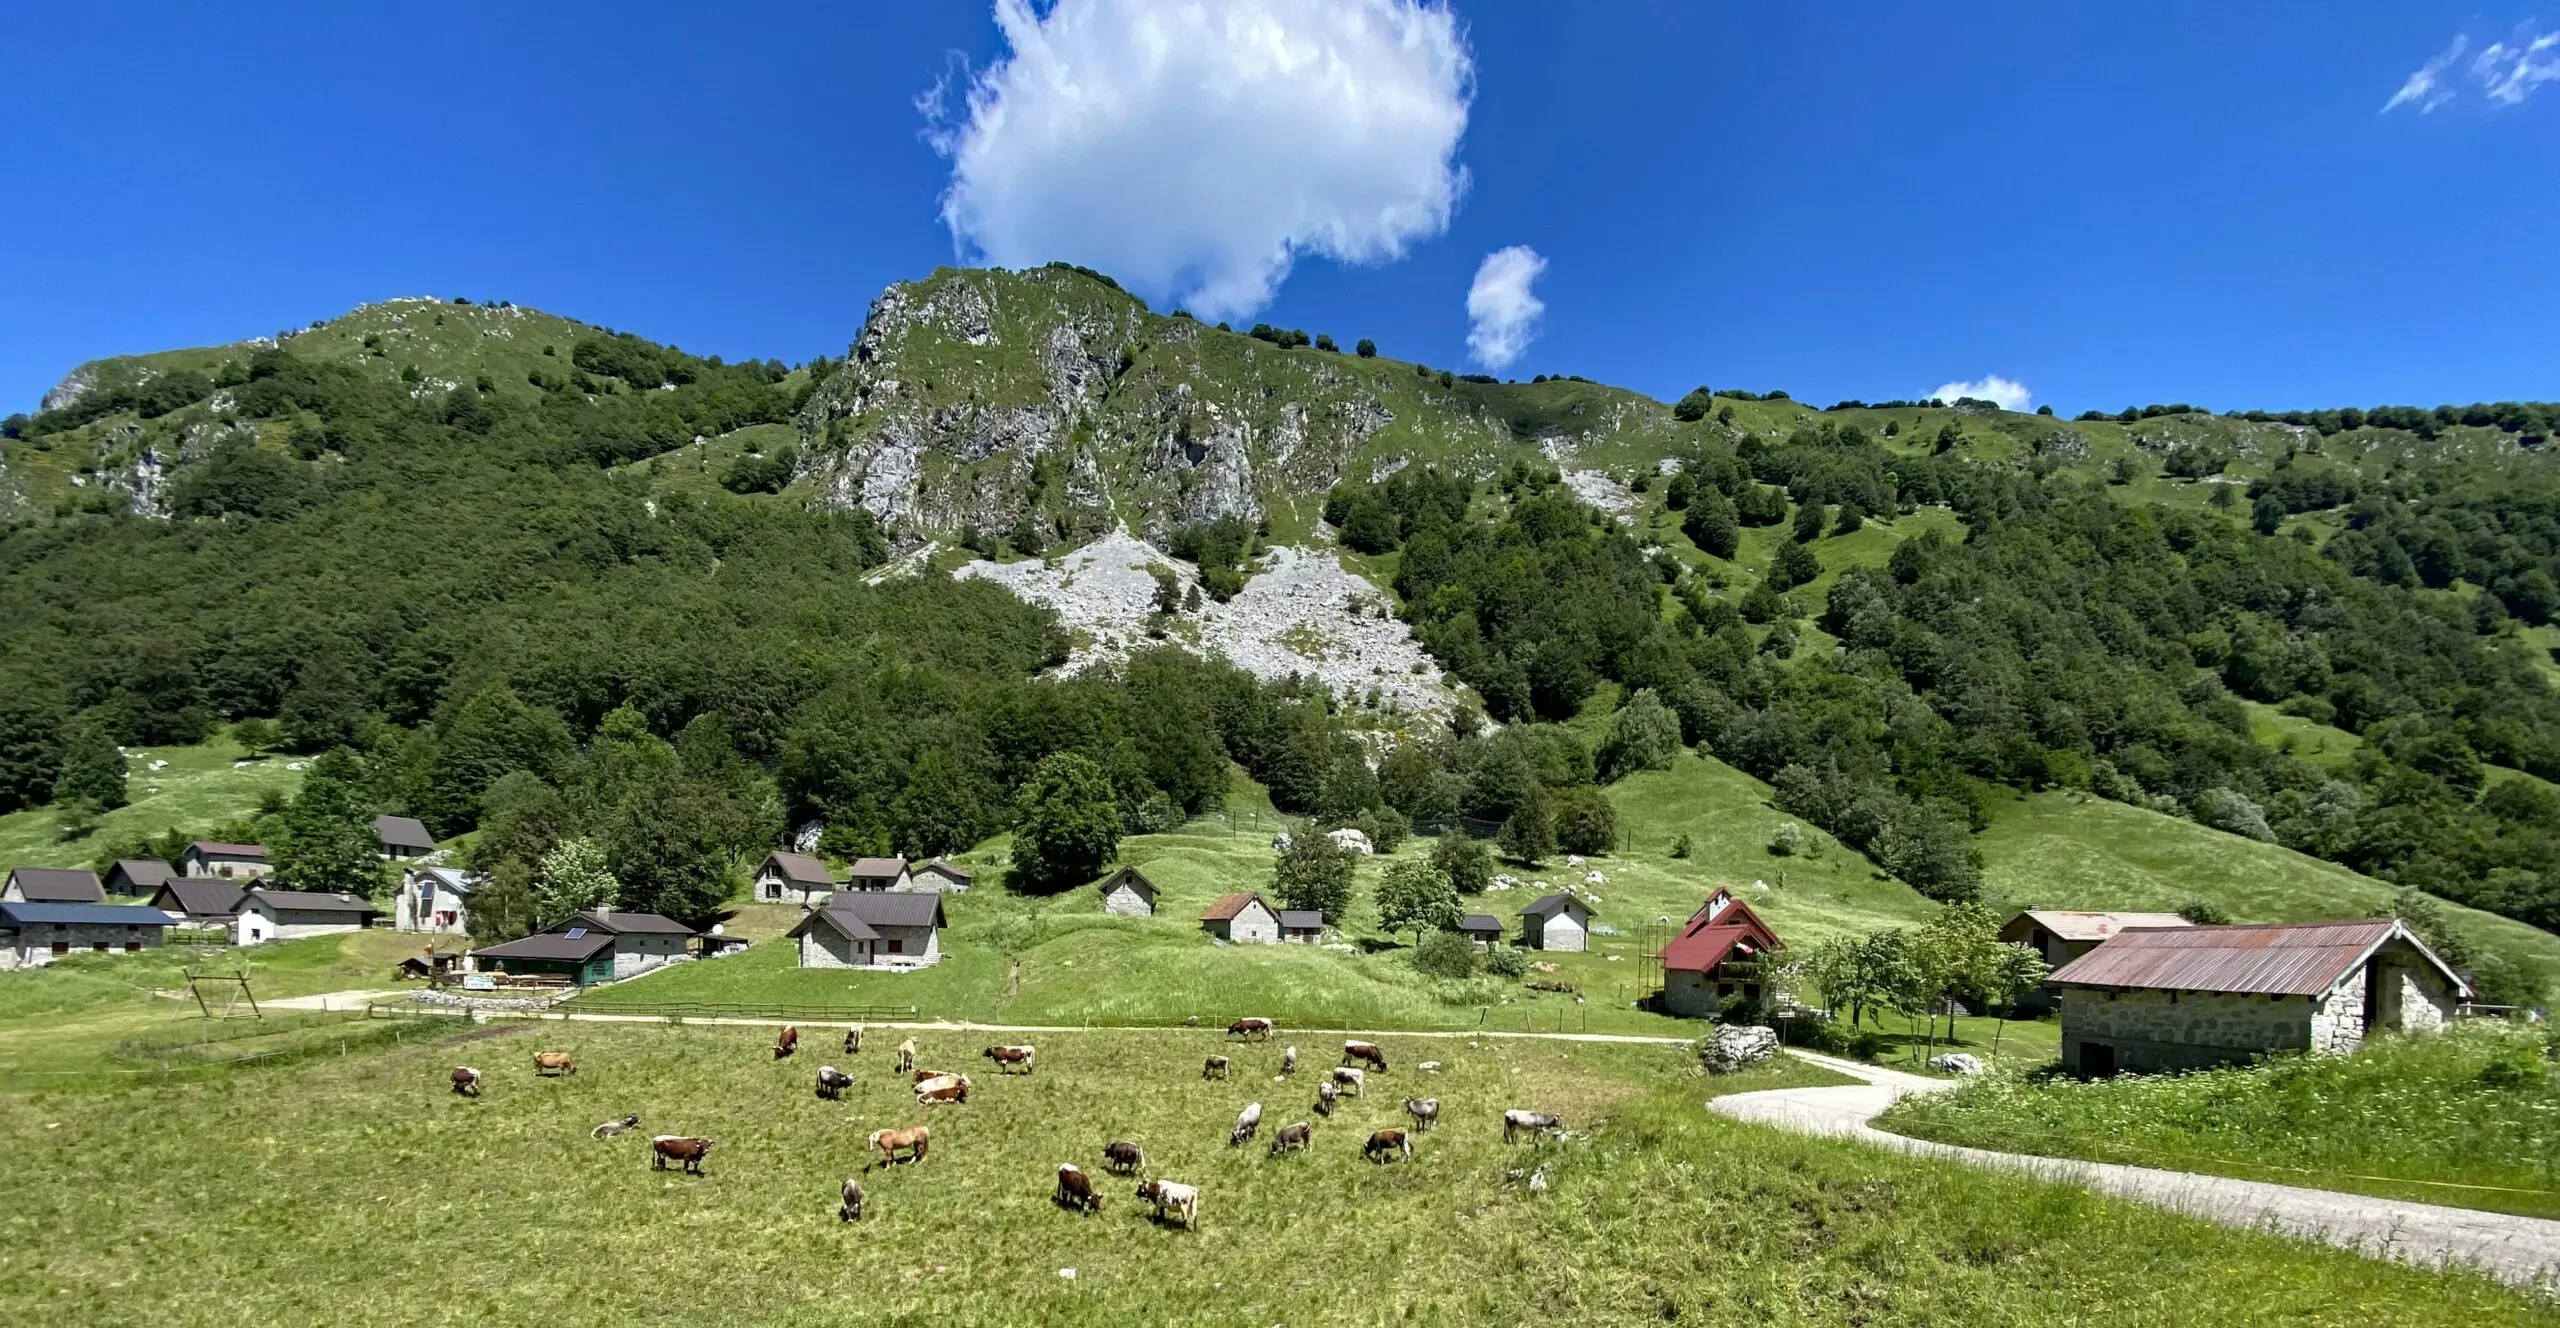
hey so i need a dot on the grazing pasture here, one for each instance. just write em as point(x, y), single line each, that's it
point(362, 1191)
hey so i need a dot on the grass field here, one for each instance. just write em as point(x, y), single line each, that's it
point(361, 1191)
point(2468, 1118)
point(199, 788)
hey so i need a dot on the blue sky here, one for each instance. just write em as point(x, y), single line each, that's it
point(2117, 205)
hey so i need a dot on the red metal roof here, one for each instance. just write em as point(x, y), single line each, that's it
point(1229, 905)
point(1714, 931)
point(2085, 925)
point(2264, 959)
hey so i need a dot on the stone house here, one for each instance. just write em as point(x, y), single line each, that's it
point(33, 935)
point(2175, 998)
point(1301, 926)
point(1482, 928)
point(229, 862)
point(140, 877)
point(941, 876)
point(284, 915)
point(436, 900)
point(793, 878)
point(1129, 894)
point(52, 885)
point(199, 903)
point(878, 874)
point(898, 930)
point(641, 941)
point(1718, 956)
point(1243, 919)
point(1556, 922)
point(402, 838)
point(2059, 936)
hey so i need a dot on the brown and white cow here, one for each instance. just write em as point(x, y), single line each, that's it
point(1075, 1190)
point(1248, 1122)
point(1214, 1068)
point(466, 1081)
point(1534, 1122)
point(1008, 1057)
point(849, 1201)
point(1368, 1053)
point(612, 1128)
point(906, 1055)
point(943, 1090)
point(1425, 1112)
point(1291, 1137)
point(1250, 1027)
point(684, 1149)
point(853, 1040)
point(1183, 1201)
point(1326, 1097)
point(832, 1082)
point(1350, 1079)
point(786, 1044)
point(554, 1062)
point(911, 1141)
point(1384, 1144)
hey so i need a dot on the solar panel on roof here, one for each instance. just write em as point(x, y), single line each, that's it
point(576, 933)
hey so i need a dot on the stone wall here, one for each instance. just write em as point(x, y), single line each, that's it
point(31, 946)
point(1127, 903)
point(1561, 931)
point(2158, 1030)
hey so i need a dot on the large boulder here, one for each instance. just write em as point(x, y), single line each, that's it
point(1734, 1046)
point(1956, 1062)
point(1351, 841)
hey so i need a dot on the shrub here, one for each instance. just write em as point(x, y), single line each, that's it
point(1446, 954)
point(1692, 408)
point(1788, 840)
point(1505, 961)
point(1367, 349)
point(1682, 847)
point(2205, 913)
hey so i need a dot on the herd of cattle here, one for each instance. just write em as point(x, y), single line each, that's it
point(1173, 1201)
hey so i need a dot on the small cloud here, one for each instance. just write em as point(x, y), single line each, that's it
point(2506, 73)
point(2005, 393)
point(2425, 88)
point(1502, 316)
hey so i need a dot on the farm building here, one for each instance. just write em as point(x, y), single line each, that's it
point(941, 876)
point(429, 964)
point(52, 885)
point(2062, 935)
point(1301, 926)
point(402, 837)
point(2173, 998)
point(878, 874)
point(1556, 922)
point(872, 930)
point(33, 935)
point(230, 862)
point(1130, 894)
point(1482, 928)
point(197, 903)
point(284, 915)
point(641, 941)
point(1242, 918)
point(139, 877)
point(793, 878)
point(579, 955)
point(434, 899)
point(1716, 957)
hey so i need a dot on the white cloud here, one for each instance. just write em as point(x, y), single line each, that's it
point(2507, 73)
point(2006, 393)
point(1502, 316)
point(2425, 88)
point(1194, 149)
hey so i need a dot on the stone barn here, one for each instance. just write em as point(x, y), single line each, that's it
point(1717, 956)
point(284, 915)
point(793, 878)
point(879, 874)
point(402, 838)
point(896, 930)
point(941, 876)
point(139, 877)
point(2176, 998)
point(1129, 894)
point(2061, 935)
point(34, 935)
point(1301, 926)
point(228, 862)
point(1482, 928)
point(52, 885)
point(1242, 919)
point(1556, 922)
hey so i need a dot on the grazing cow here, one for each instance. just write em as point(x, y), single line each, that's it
point(1350, 1079)
point(890, 1143)
point(1326, 1096)
point(1289, 1061)
point(942, 1090)
point(1291, 1137)
point(1535, 1122)
point(919, 1076)
point(1384, 1143)
point(678, 1148)
point(1214, 1068)
point(1123, 1157)
point(1368, 1053)
point(853, 1040)
point(1425, 1112)
point(554, 1062)
point(1007, 1057)
point(832, 1082)
point(906, 1055)
point(612, 1128)
point(786, 1044)
point(849, 1208)
point(466, 1081)
point(1248, 1123)
point(1075, 1191)
point(1250, 1028)
point(1181, 1200)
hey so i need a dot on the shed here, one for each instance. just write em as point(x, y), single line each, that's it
point(941, 875)
point(1483, 928)
point(35, 934)
point(403, 837)
point(52, 885)
point(793, 878)
point(877, 874)
point(199, 903)
point(641, 941)
point(1130, 894)
point(139, 876)
point(428, 964)
point(864, 929)
point(284, 915)
point(434, 900)
point(2062, 935)
point(1242, 918)
point(1301, 926)
point(229, 862)
point(2171, 998)
point(580, 955)
point(1717, 956)
point(1556, 922)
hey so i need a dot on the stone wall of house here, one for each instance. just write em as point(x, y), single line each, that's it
point(254, 928)
point(1688, 993)
point(31, 946)
point(1127, 903)
point(1561, 931)
point(2427, 1001)
point(1254, 926)
point(2158, 1030)
point(2337, 1020)
point(640, 952)
point(825, 947)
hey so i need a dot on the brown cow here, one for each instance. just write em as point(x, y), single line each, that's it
point(1174, 1197)
point(1291, 1137)
point(906, 1055)
point(853, 1040)
point(612, 1128)
point(1425, 1112)
point(786, 1044)
point(1250, 1028)
point(1214, 1068)
point(1008, 1057)
point(849, 1206)
point(1383, 1143)
point(832, 1082)
point(944, 1089)
point(466, 1081)
point(911, 1141)
point(1369, 1053)
point(1124, 1157)
point(1075, 1191)
point(554, 1063)
point(678, 1148)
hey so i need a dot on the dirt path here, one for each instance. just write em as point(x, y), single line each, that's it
point(329, 1000)
point(2524, 1251)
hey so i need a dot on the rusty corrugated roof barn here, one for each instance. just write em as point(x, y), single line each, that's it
point(2264, 959)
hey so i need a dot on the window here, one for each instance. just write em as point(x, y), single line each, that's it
point(897, 947)
point(98, 947)
point(62, 947)
point(132, 946)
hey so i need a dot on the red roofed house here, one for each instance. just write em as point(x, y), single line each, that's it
point(2175, 998)
point(2062, 935)
point(1716, 957)
point(1242, 918)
